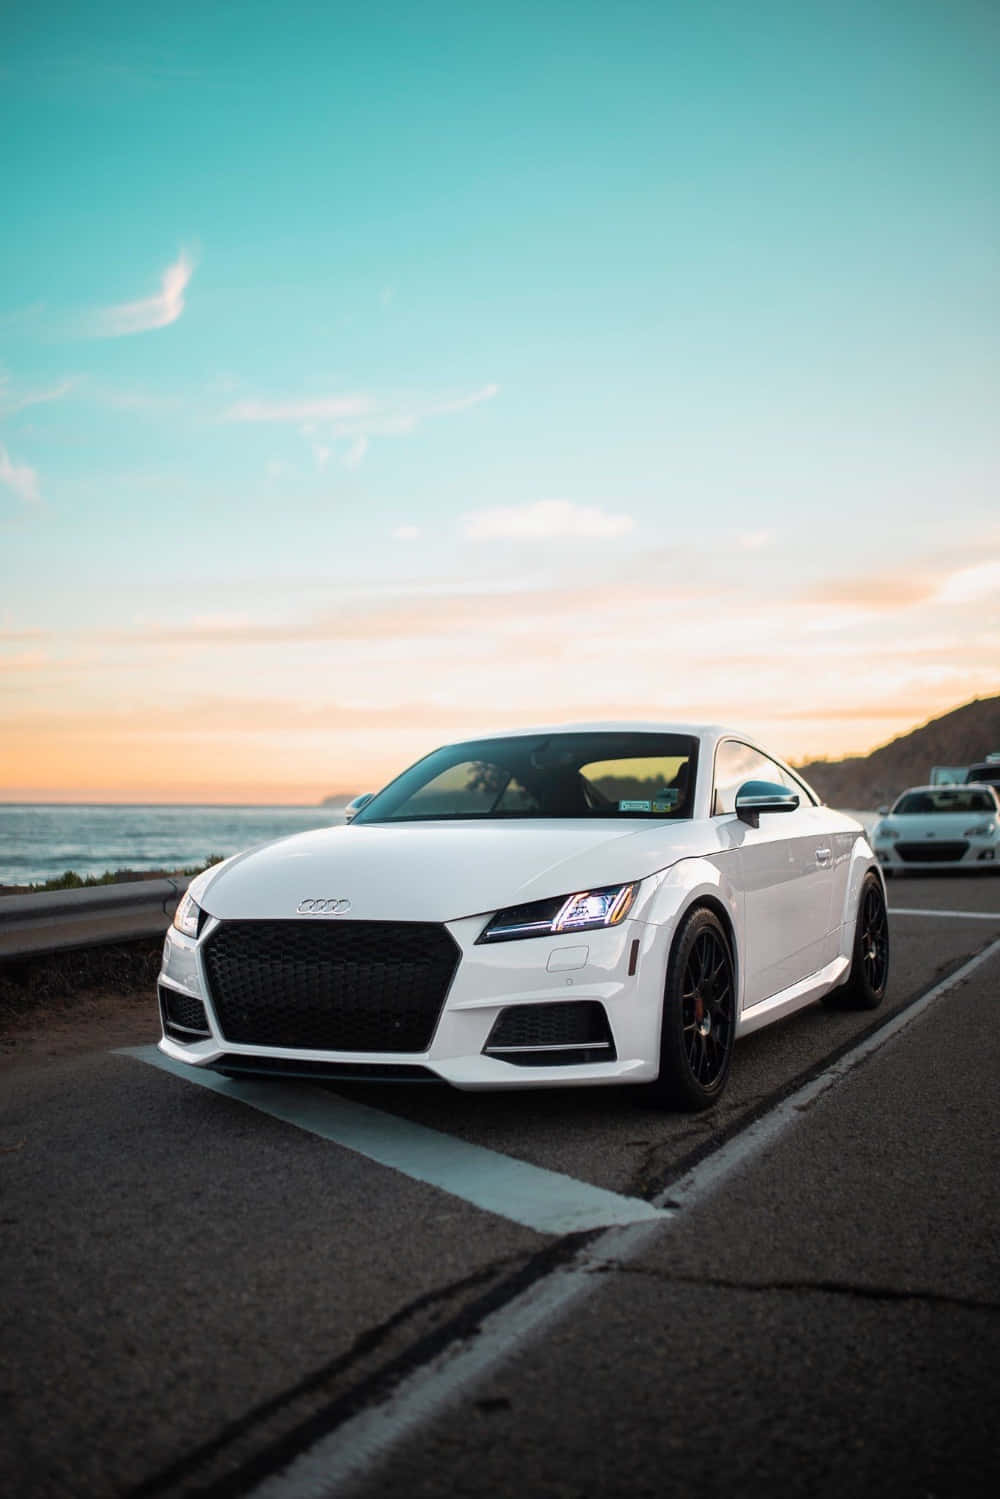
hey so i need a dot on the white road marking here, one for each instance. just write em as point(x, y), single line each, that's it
point(347, 1455)
point(543, 1200)
point(960, 915)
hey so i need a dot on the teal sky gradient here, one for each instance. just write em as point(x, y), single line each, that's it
point(717, 282)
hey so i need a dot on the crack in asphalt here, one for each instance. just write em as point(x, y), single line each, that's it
point(363, 1345)
point(188, 1471)
point(850, 1289)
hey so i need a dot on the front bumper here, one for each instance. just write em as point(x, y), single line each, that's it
point(620, 969)
point(929, 855)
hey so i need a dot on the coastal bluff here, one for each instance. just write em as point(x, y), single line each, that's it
point(960, 737)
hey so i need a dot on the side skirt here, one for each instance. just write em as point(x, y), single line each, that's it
point(795, 997)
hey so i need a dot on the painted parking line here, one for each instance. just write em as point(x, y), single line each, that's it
point(958, 915)
point(345, 1460)
point(543, 1200)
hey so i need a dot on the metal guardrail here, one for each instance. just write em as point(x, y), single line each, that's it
point(52, 920)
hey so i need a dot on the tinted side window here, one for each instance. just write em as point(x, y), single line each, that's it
point(736, 763)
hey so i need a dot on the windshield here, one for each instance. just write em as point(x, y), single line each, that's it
point(940, 800)
point(600, 774)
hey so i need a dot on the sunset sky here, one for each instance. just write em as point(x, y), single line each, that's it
point(371, 376)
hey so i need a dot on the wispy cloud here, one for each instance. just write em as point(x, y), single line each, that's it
point(158, 311)
point(333, 409)
point(356, 417)
point(20, 478)
point(13, 400)
point(405, 533)
point(546, 518)
point(462, 403)
point(970, 584)
point(872, 593)
point(854, 598)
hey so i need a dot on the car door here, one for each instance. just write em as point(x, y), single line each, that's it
point(786, 871)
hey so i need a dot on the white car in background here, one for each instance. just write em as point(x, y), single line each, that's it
point(583, 904)
point(940, 827)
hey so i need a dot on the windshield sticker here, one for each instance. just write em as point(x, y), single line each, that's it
point(634, 806)
point(667, 799)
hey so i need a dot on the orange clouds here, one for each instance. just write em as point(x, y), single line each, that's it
point(237, 704)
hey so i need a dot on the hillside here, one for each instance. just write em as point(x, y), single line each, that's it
point(866, 781)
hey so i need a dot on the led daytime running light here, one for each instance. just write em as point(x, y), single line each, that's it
point(569, 920)
point(581, 912)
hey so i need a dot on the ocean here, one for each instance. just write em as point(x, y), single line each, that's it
point(39, 843)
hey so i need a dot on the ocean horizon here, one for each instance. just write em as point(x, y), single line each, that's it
point(40, 841)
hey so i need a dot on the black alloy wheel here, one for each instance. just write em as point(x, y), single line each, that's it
point(869, 976)
point(699, 1015)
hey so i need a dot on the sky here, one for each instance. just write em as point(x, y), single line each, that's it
point(372, 377)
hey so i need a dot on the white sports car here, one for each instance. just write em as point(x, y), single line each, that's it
point(940, 827)
point(579, 904)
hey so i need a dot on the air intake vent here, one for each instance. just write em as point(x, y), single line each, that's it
point(552, 1035)
point(184, 1017)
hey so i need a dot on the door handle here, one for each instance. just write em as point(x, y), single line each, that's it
point(823, 856)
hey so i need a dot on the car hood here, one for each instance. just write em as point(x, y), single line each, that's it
point(440, 871)
point(948, 825)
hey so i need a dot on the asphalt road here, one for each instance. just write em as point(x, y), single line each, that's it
point(203, 1298)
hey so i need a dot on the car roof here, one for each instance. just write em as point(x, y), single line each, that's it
point(949, 786)
point(614, 726)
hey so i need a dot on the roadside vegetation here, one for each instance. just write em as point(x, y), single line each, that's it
point(47, 989)
point(70, 880)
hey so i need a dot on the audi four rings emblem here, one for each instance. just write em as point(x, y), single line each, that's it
point(333, 907)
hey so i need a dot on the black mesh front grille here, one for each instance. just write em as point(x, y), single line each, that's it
point(534, 1035)
point(330, 985)
point(931, 853)
point(184, 1017)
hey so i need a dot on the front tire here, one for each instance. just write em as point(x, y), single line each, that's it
point(699, 1016)
point(869, 977)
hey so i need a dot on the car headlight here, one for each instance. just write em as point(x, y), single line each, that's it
point(188, 916)
point(981, 830)
point(581, 912)
point(885, 833)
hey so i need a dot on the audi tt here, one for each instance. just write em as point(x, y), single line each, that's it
point(582, 904)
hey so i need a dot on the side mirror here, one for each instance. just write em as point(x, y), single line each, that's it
point(883, 811)
point(354, 807)
point(755, 797)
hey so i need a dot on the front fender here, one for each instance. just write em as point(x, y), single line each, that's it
point(862, 860)
point(712, 882)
